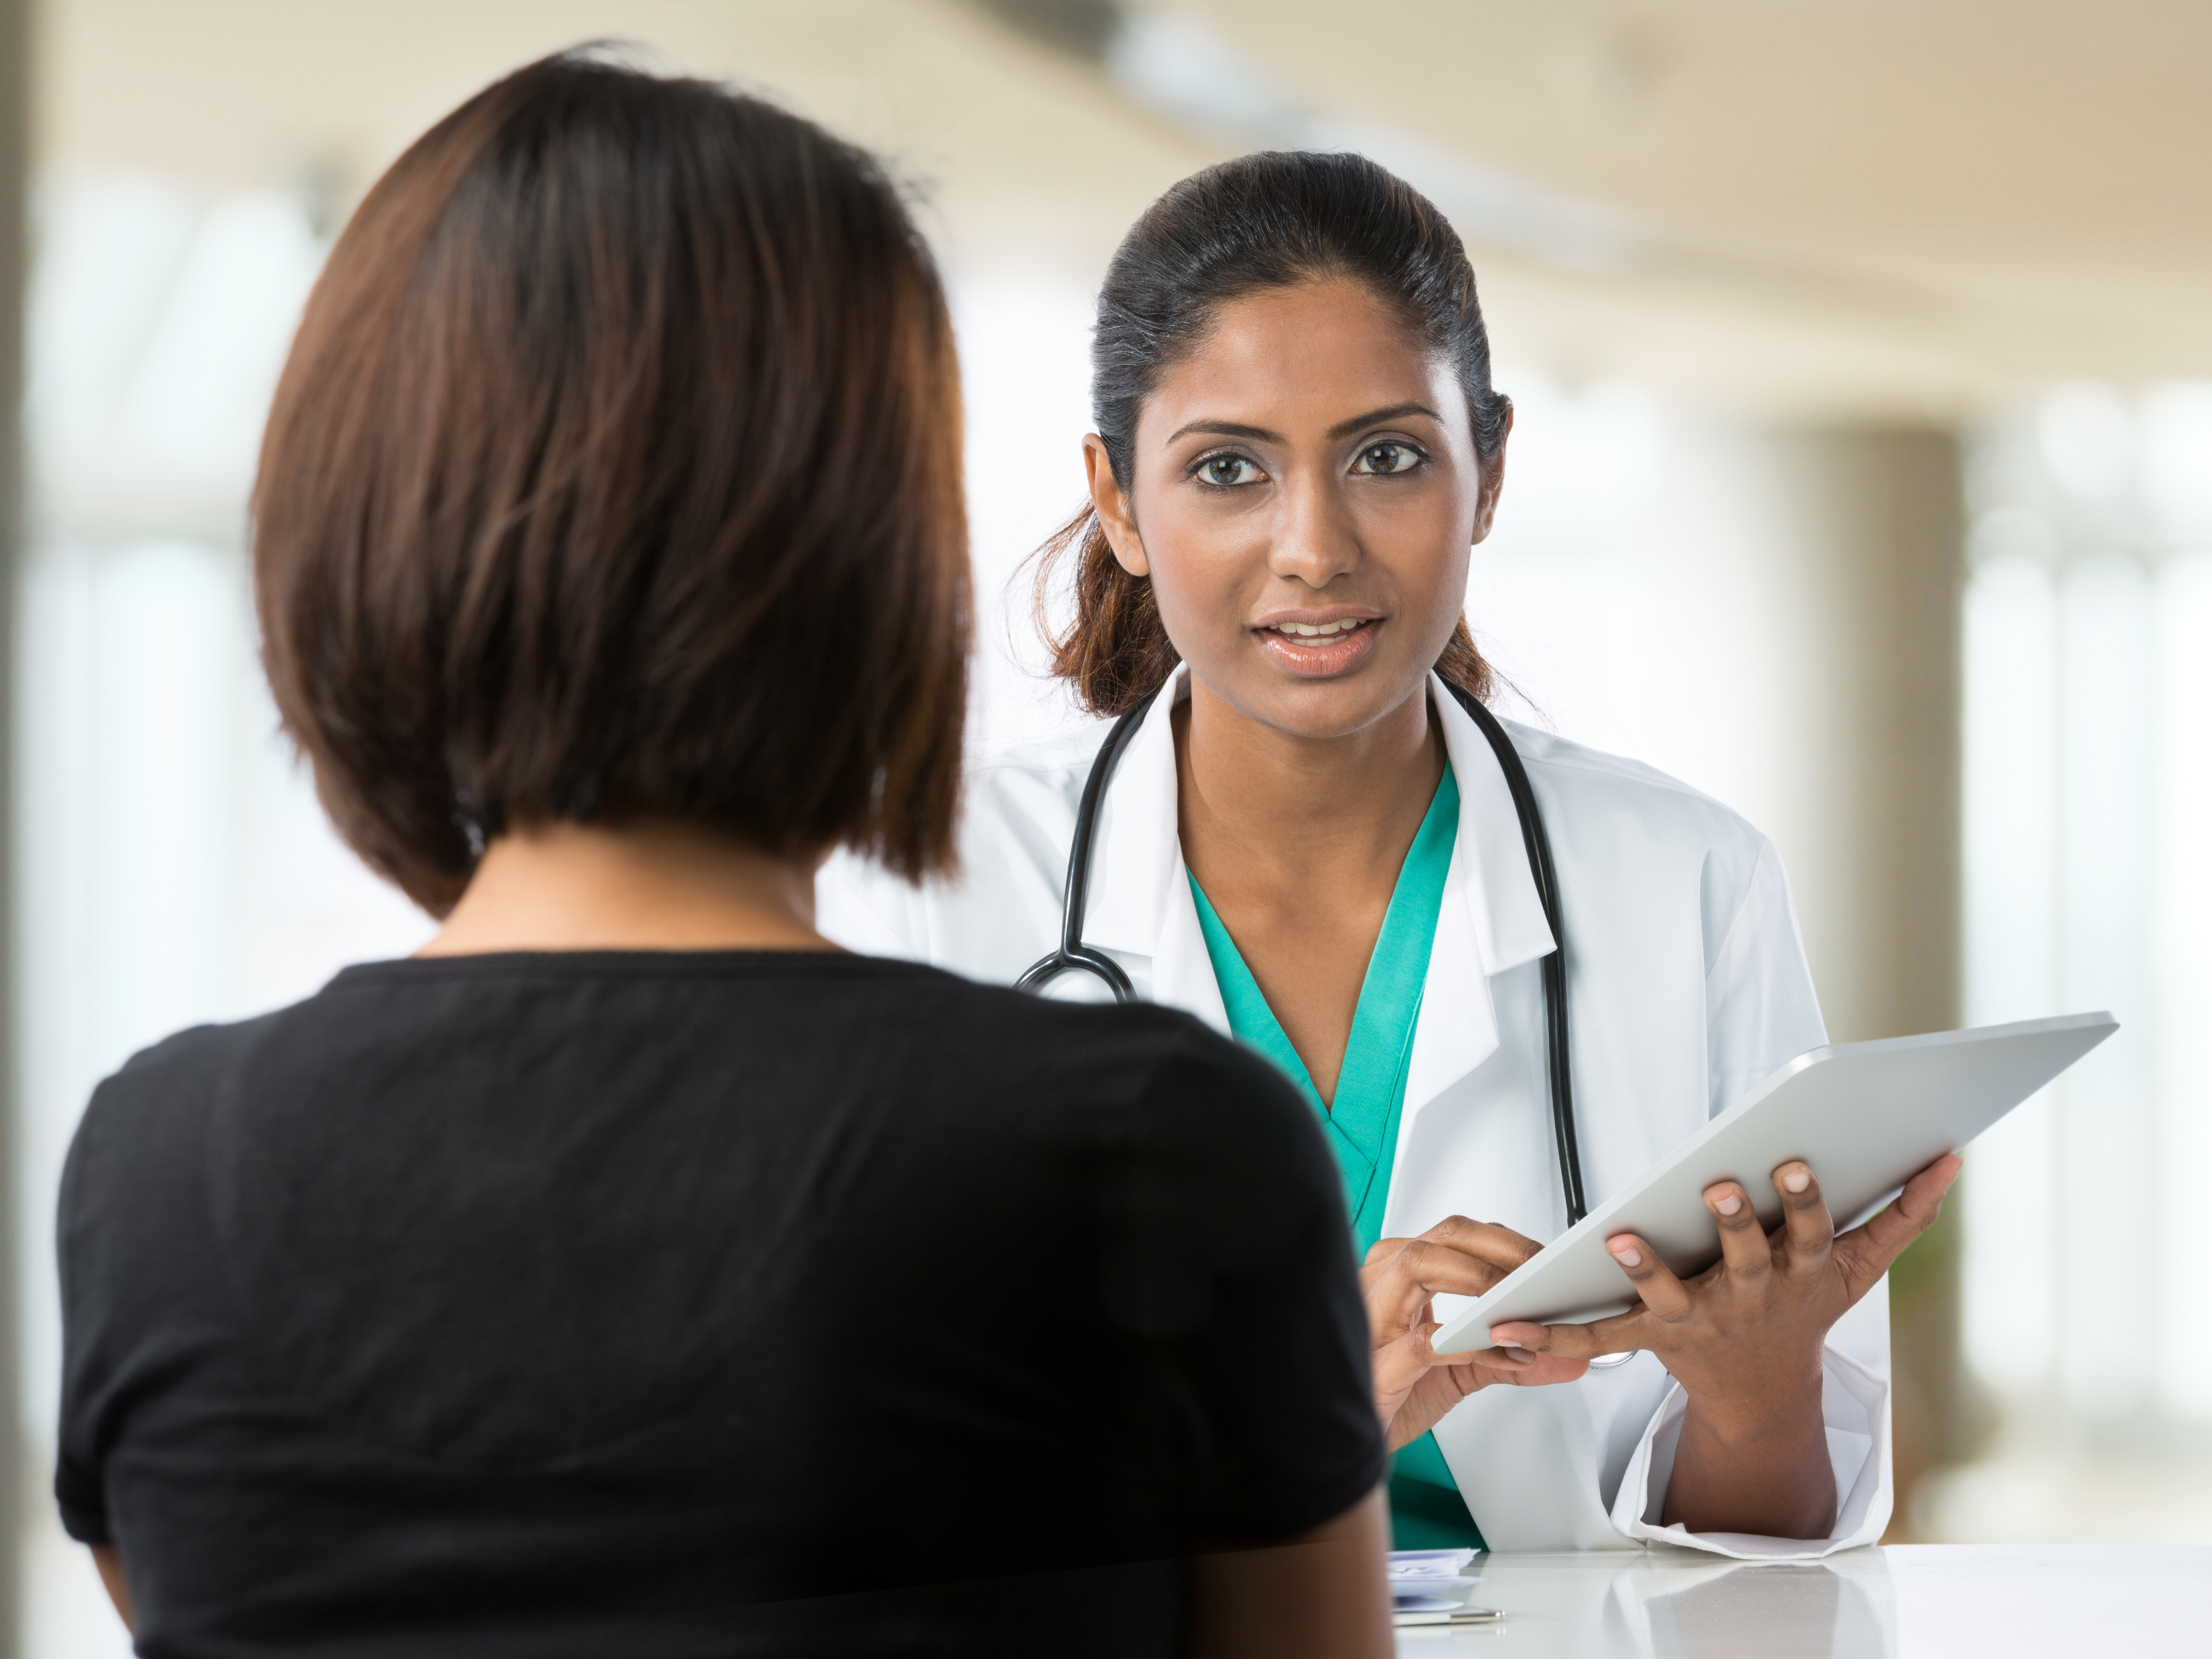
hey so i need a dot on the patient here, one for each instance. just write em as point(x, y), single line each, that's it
point(631, 1272)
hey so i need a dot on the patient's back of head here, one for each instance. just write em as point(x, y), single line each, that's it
point(667, 1299)
point(616, 471)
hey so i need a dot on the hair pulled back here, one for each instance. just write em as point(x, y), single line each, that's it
point(1267, 221)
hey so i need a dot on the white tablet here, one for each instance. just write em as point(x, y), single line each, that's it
point(1866, 1115)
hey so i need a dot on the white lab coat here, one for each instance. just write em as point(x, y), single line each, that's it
point(1688, 985)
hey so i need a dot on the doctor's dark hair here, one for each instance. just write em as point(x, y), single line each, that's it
point(1267, 221)
point(616, 472)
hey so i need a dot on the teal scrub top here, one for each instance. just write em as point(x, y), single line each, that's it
point(1426, 1511)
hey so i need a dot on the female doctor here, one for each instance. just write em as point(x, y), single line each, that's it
point(1307, 841)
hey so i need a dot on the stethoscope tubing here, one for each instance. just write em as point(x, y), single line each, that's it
point(1559, 1057)
point(1073, 956)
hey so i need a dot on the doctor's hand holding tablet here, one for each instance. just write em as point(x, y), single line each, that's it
point(1723, 1286)
point(1509, 975)
point(1744, 1338)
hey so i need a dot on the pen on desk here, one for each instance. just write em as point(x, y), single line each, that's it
point(1450, 1616)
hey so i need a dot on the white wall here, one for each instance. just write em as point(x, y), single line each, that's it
point(2089, 837)
point(2089, 849)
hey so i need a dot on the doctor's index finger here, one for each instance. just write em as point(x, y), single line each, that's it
point(1655, 1281)
point(1484, 1240)
point(1421, 1268)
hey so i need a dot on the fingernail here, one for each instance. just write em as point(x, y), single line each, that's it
point(1627, 1254)
point(1727, 1204)
point(1797, 1180)
point(1518, 1356)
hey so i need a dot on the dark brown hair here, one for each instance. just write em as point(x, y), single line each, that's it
point(616, 470)
point(1262, 221)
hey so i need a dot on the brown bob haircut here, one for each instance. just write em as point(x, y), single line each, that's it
point(616, 472)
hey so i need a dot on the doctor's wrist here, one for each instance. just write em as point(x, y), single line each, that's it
point(1759, 1466)
point(1783, 1400)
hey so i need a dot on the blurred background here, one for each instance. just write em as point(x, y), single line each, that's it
point(1862, 478)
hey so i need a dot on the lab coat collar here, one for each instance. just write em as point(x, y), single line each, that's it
point(1491, 920)
point(1140, 901)
point(1501, 901)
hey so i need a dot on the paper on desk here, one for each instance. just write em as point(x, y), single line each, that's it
point(1427, 1586)
point(1412, 1569)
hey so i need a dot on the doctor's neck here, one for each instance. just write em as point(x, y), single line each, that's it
point(645, 884)
point(1305, 808)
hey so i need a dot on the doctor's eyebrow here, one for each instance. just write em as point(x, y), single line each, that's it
point(1345, 429)
point(1225, 430)
point(1262, 435)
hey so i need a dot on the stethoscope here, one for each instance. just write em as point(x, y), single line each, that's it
point(1073, 955)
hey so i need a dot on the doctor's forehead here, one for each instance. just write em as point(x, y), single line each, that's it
point(1296, 363)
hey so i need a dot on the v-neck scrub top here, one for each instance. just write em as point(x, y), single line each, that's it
point(1426, 1511)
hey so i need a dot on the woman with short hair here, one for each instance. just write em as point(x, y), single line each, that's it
point(633, 1272)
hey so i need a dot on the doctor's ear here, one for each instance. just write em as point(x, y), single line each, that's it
point(1113, 509)
point(1493, 480)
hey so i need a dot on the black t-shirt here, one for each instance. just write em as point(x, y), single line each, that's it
point(697, 1304)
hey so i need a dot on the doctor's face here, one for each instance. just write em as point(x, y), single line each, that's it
point(1305, 491)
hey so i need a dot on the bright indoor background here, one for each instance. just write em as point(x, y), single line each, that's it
point(1862, 478)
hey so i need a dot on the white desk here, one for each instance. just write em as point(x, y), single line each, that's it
point(1922, 1601)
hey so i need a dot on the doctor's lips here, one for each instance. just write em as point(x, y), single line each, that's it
point(1316, 644)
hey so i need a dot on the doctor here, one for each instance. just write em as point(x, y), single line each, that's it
point(1308, 842)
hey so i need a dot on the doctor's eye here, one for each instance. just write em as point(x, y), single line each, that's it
point(1384, 458)
point(1227, 471)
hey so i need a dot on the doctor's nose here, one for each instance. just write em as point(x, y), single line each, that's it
point(1313, 540)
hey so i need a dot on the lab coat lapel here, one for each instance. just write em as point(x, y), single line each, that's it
point(1491, 918)
point(1140, 901)
point(1183, 971)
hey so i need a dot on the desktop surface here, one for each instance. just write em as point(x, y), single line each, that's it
point(1910, 1601)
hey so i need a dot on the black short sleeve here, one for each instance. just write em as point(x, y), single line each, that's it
point(132, 1248)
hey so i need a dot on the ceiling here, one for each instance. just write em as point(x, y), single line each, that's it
point(1827, 208)
point(2021, 183)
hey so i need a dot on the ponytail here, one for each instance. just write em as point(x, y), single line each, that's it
point(1115, 653)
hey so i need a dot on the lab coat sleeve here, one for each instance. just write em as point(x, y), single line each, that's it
point(1854, 1403)
point(1762, 1012)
